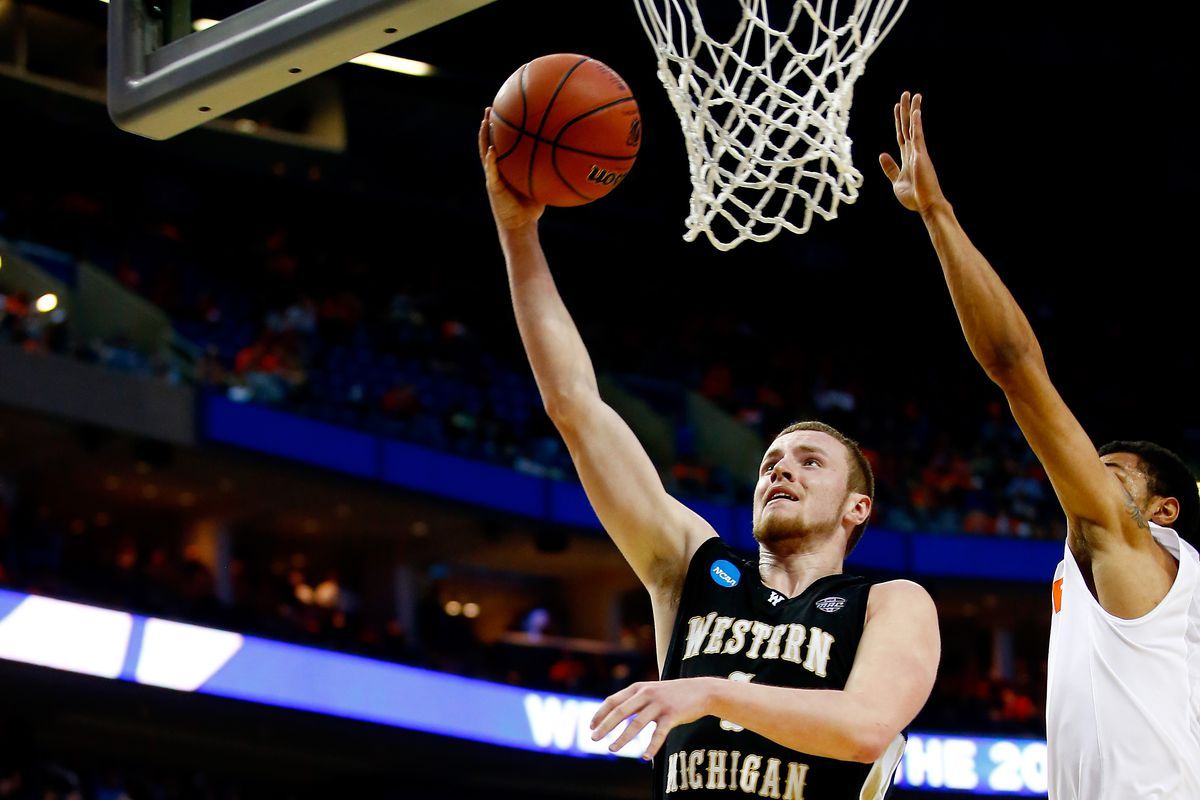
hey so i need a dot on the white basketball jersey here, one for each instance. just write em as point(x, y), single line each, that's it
point(1123, 696)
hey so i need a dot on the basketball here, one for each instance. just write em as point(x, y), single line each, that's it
point(566, 129)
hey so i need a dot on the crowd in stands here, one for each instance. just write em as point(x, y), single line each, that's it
point(37, 332)
point(969, 697)
point(288, 322)
point(297, 596)
point(289, 593)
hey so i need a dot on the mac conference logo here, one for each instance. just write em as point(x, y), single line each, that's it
point(831, 604)
point(725, 574)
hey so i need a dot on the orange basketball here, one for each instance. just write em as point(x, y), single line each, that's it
point(566, 129)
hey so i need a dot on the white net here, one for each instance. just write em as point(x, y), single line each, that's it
point(765, 110)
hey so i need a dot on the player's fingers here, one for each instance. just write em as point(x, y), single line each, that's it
point(905, 110)
point(611, 702)
point(494, 181)
point(488, 155)
point(896, 120)
point(613, 718)
point(656, 741)
point(606, 726)
point(484, 133)
point(632, 730)
point(890, 168)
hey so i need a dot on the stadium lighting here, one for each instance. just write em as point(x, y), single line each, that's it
point(47, 302)
point(405, 66)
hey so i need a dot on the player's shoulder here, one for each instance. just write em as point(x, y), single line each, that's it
point(899, 586)
point(706, 554)
point(701, 548)
point(900, 594)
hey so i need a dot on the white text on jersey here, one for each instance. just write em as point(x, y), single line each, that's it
point(733, 771)
point(725, 635)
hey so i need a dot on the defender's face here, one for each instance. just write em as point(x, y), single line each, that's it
point(802, 485)
point(1128, 470)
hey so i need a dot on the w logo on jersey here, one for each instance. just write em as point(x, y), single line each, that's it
point(775, 598)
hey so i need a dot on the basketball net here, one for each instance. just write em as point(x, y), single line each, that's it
point(765, 119)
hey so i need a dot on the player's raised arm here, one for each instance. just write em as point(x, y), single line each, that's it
point(656, 534)
point(1102, 518)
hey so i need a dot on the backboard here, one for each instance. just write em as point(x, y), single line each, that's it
point(164, 79)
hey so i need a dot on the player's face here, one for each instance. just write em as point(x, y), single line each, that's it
point(802, 486)
point(1128, 470)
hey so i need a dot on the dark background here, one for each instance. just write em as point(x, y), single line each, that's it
point(1058, 131)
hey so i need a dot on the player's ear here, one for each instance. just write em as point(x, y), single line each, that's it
point(858, 508)
point(1164, 511)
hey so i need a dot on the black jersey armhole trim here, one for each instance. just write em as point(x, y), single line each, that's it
point(710, 548)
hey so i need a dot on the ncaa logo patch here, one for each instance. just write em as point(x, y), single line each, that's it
point(725, 574)
point(831, 604)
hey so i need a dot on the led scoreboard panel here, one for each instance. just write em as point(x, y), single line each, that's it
point(974, 765)
point(118, 645)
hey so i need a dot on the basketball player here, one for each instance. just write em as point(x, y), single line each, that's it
point(1123, 698)
point(782, 677)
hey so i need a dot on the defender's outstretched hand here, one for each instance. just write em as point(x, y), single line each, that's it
point(511, 210)
point(914, 181)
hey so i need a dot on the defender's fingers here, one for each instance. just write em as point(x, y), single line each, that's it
point(890, 168)
point(918, 131)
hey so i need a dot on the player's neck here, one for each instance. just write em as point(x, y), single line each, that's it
point(790, 572)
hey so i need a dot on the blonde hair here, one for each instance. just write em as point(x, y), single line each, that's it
point(860, 478)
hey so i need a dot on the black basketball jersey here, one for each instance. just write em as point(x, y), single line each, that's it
point(730, 625)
